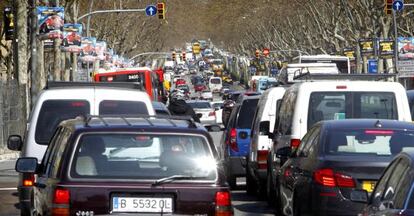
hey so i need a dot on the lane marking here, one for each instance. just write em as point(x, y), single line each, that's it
point(8, 189)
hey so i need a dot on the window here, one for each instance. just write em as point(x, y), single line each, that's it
point(142, 156)
point(53, 112)
point(113, 107)
point(245, 116)
point(58, 155)
point(287, 109)
point(369, 142)
point(346, 105)
point(200, 105)
point(47, 155)
point(309, 142)
point(215, 81)
point(393, 185)
point(378, 193)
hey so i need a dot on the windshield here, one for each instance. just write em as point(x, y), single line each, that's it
point(142, 156)
point(368, 141)
point(246, 113)
point(200, 105)
point(55, 111)
point(349, 105)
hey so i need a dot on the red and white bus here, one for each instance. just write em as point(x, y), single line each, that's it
point(149, 79)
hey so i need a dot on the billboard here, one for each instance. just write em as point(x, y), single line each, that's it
point(405, 47)
point(72, 37)
point(386, 48)
point(350, 53)
point(88, 53)
point(100, 49)
point(50, 22)
point(366, 46)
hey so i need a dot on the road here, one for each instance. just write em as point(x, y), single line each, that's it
point(243, 203)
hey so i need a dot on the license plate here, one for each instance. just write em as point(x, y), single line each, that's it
point(142, 204)
point(368, 185)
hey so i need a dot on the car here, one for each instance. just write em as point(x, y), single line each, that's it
point(235, 142)
point(180, 81)
point(224, 90)
point(176, 77)
point(160, 108)
point(65, 100)
point(196, 79)
point(184, 87)
point(140, 165)
point(206, 95)
point(335, 158)
point(200, 87)
point(260, 144)
point(306, 103)
point(208, 114)
point(393, 193)
point(218, 106)
point(215, 84)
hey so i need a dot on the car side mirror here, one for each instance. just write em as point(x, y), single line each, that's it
point(14, 142)
point(264, 127)
point(284, 152)
point(360, 196)
point(26, 165)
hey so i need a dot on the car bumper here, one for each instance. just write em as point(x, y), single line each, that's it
point(237, 166)
point(24, 197)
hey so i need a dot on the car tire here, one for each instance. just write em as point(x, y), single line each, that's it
point(270, 191)
point(298, 207)
point(251, 186)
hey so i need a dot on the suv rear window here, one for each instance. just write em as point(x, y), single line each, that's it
point(348, 105)
point(373, 142)
point(246, 114)
point(53, 112)
point(142, 156)
point(114, 107)
point(200, 105)
point(215, 81)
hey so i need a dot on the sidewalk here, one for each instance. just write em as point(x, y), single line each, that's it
point(6, 154)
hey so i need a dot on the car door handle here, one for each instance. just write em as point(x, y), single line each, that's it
point(39, 185)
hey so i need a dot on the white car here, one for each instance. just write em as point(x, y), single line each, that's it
point(206, 95)
point(203, 107)
point(218, 106)
point(215, 84)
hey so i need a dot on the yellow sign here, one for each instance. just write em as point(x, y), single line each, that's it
point(368, 185)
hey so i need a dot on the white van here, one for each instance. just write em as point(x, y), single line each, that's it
point(65, 100)
point(215, 84)
point(292, 70)
point(263, 124)
point(306, 103)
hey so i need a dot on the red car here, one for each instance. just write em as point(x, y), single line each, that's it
point(180, 82)
point(199, 87)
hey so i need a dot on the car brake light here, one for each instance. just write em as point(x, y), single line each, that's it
point(294, 143)
point(223, 204)
point(77, 104)
point(61, 202)
point(262, 158)
point(212, 114)
point(341, 87)
point(380, 132)
point(28, 180)
point(233, 140)
point(328, 178)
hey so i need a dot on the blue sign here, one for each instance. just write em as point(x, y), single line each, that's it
point(398, 5)
point(151, 10)
point(274, 70)
point(253, 70)
point(372, 66)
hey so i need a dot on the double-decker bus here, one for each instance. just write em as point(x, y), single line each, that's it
point(144, 75)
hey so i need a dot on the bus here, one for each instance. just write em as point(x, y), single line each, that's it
point(342, 62)
point(148, 78)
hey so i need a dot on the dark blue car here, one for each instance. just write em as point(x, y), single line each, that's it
point(236, 140)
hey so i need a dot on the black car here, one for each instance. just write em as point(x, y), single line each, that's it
point(138, 165)
point(393, 193)
point(333, 159)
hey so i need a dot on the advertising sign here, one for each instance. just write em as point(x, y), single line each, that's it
point(372, 66)
point(8, 23)
point(50, 21)
point(366, 46)
point(350, 53)
point(88, 53)
point(405, 47)
point(100, 50)
point(386, 48)
point(72, 37)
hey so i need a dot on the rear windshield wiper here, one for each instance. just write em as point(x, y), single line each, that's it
point(176, 177)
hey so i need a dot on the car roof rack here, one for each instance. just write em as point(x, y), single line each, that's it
point(87, 118)
point(350, 77)
point(65, 84)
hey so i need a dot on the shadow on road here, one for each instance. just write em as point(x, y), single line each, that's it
point(250, 205)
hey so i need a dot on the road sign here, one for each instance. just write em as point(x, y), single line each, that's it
point(266, 51)
point(397, 5)
point(372, 66)
point(151, 10)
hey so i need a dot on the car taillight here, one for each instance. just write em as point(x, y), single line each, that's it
point(223, 204)
point(233, 140)
point(28, 180)
point(61, 200)
point(328, 178)
point(294, 143)
point(262, 158)
point(212, 114)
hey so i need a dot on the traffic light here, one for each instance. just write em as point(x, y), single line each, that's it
point(161, 10)
point(173, 56)
point(183, 54)
point(388, 7)
point(257, 54)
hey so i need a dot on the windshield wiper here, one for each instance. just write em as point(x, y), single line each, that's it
point(176, 177)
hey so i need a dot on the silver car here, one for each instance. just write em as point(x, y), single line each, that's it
point(204, 108)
